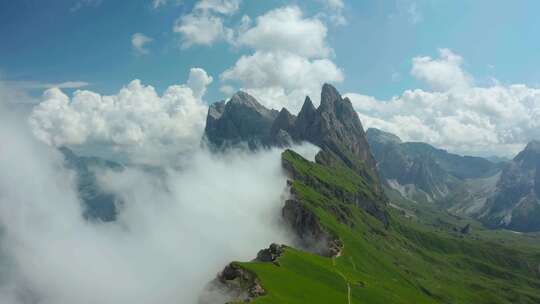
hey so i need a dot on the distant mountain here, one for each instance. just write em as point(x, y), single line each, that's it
point(422, 172)
point(333, 126)
point(98, 204)
point(503, 194)
point(515, 201)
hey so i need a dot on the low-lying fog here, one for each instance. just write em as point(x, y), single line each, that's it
point(174, 233)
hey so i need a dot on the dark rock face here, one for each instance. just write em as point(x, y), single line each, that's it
point(281, 129)
point(99, 204)
point(270, 254)
point(241, 284)
point(241, 120)
point(515, 204)
point(307, 227)
point(334, 127)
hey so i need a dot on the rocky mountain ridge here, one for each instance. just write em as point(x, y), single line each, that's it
point(333, 126)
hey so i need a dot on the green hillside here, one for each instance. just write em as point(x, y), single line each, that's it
point(410, 261)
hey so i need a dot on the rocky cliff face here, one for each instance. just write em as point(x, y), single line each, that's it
point(334, 126)
point(241, 120)
point(515, 202)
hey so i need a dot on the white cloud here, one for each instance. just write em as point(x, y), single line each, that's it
point(139, 41)
point(200, 29)
point(273, 76)
point(286, 29)
point(198, 81)
point(227, 90)
point(442, 74)
point(204, 25)
point(159, 3)
point(224, 7)
point(32, 85)
point(463, 118)
point(173, 234)
point(290, 59)
point(135, 119)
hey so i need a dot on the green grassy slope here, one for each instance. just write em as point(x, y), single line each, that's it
point(409, 262)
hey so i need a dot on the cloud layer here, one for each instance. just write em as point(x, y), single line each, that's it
point(136, 118)
point(456, 115)
point(175, 230)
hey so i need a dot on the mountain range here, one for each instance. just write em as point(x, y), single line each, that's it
point(356, 244)
point(356, 237)
point(499, 194)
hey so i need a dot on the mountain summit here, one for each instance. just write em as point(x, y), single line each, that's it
point(334, 126)
point(241, 120)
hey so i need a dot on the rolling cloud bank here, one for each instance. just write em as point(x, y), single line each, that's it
point(175, 230)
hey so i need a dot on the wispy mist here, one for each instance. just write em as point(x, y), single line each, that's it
point(175, 230)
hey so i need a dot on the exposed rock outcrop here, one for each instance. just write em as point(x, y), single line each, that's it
point(372, 201)
point(309, 231)
point(270, 254)
point(241, 120)
point(232, 285)
point(333, 126)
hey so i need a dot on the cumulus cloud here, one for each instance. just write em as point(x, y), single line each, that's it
point(198, 81)
point(204, 25)
point(135, 119)
point(282, 78)
point(139, 41)
point(286, 29)
point(290, 59)
point(456, 115)
point(442, 74)
point(174, 232)
point(200, 30)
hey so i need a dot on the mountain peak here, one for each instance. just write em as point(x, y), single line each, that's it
point(534, 146)
point(329, 95)
point(244, 98)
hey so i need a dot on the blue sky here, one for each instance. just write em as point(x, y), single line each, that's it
point(461, 75)
point(49, 42)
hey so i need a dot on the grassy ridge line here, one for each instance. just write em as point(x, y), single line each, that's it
point(408, 263)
